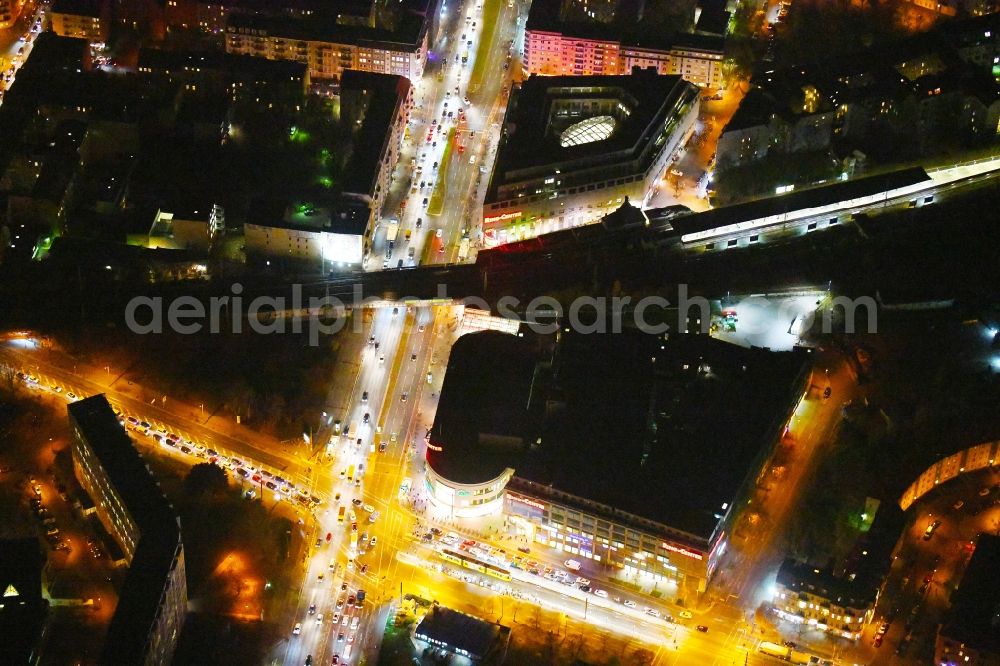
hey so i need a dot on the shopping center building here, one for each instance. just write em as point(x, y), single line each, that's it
point(625, 449)
point(574, 147)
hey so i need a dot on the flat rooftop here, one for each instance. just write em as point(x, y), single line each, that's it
point(139, 598)
point(459, 632)
point(339, 215)
point(665, 430)
point(804, 577)
point(542, 110)
point(407, 36)
point(378, 101)
point(975, 605)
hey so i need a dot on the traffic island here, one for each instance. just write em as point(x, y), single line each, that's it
point(436, 204)
point(491, 21)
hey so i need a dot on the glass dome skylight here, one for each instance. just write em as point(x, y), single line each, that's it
point(589, 130)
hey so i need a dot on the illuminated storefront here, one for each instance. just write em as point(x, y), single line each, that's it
point(628, 543)
point(574, 148)
point(466, 500)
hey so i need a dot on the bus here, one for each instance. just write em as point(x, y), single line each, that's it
point(470, 562)
point(350, 473)
point(341, 514)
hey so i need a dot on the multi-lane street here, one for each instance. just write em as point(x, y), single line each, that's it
point(373, 448)
point(445, 103)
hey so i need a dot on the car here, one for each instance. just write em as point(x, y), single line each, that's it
point(685, 615)
point(319, 619)
point(702, 628)
point(356, 502)
point(297, 629)
point(340, 602)
point(929, 532)
point(368, 508)
point(364, 396)
point(652, 612)
point(381, 359)
point(346, 620)
point(309, 660)
point(371, 544)
point(350, 600)
point(372, 518)
point(312, 609)
point(958, 505)
point(367, 417)
point(467, 102)
point(983, 492)
point(320, 576)
point(364, 569)
point(572, 565)
point(878, 641)
point(402, 398)
point(57, 389)
point(336, 660)
point(580, 580)
point(71, 395)
point(340, 637)
point(335, 620)
point(601, 593)
point(585, 588)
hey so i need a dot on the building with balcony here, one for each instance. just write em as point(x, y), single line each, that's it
point(576, 39)
point(815, 596)
point(925, 93)
point(625, 449)
point(573, 148)
point(211, 16)
point(376, 107)
point(10, 11)
point(152, 602)
point(841, 599)
point(328, 48)
point(84, 19)
point(239, 78)
point(325, 234)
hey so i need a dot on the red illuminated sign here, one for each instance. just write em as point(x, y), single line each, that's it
point(525, 500)
point(683, 551)
point(501, 218)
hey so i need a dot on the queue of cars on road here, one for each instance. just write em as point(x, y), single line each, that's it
point(159, 433)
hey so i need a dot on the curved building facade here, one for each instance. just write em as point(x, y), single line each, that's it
point(466, 500)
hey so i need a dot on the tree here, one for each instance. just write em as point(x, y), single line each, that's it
point(206, 479)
